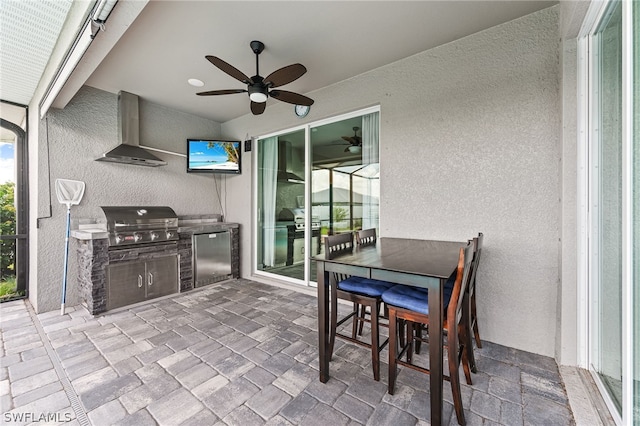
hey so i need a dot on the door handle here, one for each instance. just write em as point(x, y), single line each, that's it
point(139, 281)
point(150, 279)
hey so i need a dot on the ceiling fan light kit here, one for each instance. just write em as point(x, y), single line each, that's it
point(258, 87)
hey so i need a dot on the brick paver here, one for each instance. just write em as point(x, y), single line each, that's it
point(238, 352)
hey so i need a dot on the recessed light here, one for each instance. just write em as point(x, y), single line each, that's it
point(195, 82)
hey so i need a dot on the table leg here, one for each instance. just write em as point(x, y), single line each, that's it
point(323, 320)
point(436, 352)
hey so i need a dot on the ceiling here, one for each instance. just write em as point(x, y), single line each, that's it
point(166, 44)
point(30, 29)
point(151, 49)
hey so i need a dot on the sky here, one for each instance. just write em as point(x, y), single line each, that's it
point(7, 169)
point(200, 152)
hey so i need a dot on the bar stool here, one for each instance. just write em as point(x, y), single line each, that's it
point(362, 292)
point(411, 305)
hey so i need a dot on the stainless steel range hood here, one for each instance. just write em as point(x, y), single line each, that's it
point(285, 164)
point(129, 151)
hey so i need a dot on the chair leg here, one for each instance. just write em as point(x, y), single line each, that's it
point(411, 326)
point(356, 319)
point(363, 312)
point(393, 349)
point(464, 354)
point(375, 336)
point(474, 321)
point(454, 378)
point(401, 324)
point(333, 322)
point(466, 338)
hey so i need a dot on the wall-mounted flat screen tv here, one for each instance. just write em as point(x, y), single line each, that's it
point(213, 156)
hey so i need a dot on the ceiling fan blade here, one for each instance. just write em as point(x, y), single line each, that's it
point(257, 108)
point(229, 69)
point(346, 149)
point(285, 75)
point(291, 97)
point(349, 139)
point(221, 92)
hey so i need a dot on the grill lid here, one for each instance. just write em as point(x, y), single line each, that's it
point(140, 224)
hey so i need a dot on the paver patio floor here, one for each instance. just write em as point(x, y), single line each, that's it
point(237, 353)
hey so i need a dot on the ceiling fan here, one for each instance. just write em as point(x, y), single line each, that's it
point(258, 87)
point(355, 142)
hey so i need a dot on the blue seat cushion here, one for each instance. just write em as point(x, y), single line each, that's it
point(413, 298)
point(365, 286)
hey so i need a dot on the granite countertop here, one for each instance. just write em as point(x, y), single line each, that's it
point(202, 224)
point(198, 228)
point(89, 229)
point(95, 233)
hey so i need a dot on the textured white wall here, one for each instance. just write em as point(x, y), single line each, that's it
point(567, 326)
point(79, 134)
point(470, 142)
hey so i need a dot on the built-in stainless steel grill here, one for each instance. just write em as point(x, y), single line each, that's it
point(296, 217)
point(129, 225)
point(143, 254)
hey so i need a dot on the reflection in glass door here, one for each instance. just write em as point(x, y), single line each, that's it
point(345, 179)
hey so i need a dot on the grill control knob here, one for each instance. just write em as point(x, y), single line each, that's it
point(119, 239)
point(154, 236)
point(137, 237)
point(170, 234)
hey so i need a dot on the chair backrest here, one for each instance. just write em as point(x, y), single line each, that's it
point(335, 245)
point(477, 252)
point(463, 275)
point(366, 237)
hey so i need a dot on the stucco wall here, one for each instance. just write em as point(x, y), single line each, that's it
point(470, 141)
point(567, 326)
point(70, 140)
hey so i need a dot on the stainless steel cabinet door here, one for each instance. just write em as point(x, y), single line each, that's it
point(126, 284)
point(162, 276)
point(212, 257)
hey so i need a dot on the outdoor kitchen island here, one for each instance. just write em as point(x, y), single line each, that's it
point(113, 273)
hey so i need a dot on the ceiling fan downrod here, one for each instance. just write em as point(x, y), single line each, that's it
point(257, 47)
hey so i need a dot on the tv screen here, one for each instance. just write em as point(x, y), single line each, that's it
point(213, 156)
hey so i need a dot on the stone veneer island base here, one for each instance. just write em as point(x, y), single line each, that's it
point(94, 258)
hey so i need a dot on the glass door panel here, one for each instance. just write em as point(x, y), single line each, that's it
point(607, 359)
point(281, 217)
point(345, 176)
point(13, 203)
point(8, 230)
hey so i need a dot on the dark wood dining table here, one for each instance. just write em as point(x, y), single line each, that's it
point(419, 263)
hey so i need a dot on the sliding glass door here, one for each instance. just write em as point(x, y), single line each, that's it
point(281, 217)
point(607, 155)
point(334, 165)
point(613, 210)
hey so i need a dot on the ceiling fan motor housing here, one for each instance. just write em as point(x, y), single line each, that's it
point(257, 91)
